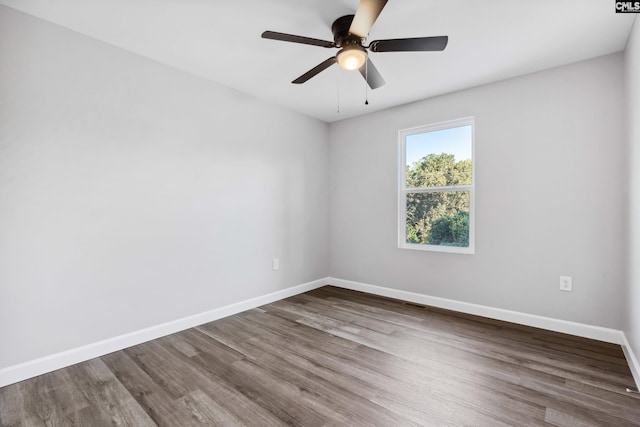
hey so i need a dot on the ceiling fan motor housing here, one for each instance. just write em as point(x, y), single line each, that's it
point(341, 35)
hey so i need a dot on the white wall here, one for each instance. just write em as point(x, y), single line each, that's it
point(632, 74)
point(133, 194)
point(550, 192)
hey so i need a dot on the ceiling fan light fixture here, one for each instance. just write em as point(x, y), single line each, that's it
point(352, 57)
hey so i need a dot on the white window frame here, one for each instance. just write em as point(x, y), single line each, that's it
point(403, 190)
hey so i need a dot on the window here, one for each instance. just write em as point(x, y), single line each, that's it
point(436, 187)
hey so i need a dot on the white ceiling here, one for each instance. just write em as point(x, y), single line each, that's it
point(489, 40)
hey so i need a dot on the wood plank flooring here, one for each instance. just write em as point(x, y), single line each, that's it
point(333, 357)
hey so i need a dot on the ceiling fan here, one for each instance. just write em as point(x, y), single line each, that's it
point(349, 33)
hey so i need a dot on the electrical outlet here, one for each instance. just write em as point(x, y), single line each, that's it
point(566, 283)
point(276, 264)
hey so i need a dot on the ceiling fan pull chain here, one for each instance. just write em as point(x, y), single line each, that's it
point(338, 89)
point(366, 82)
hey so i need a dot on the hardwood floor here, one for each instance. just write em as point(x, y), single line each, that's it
point(334, 357)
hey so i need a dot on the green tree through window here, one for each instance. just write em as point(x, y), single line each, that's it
point(438, 218)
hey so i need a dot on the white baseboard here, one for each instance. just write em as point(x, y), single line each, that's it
point(23, 371)
point(632, 360)
point(30, 369)
point(572, 328)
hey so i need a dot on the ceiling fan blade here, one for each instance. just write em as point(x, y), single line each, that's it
point(367, 13)
point(296, 39)
point(315, 70)
point(418, 44)
point(371, 75)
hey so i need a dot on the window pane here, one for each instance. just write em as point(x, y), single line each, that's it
point(439, 158)
point(439, 218)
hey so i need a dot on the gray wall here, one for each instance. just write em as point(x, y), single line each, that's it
point(632, 62)
point(133, 194)
point(550, 189)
